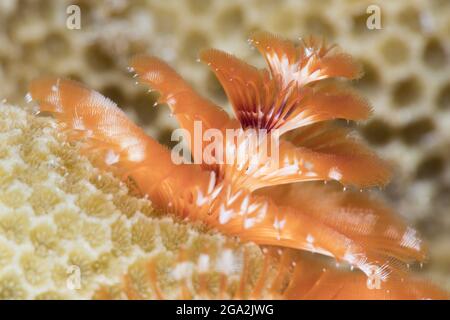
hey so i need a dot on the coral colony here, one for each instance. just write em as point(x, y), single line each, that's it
point(273, 201)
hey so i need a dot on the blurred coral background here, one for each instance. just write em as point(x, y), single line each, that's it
point(406, 63)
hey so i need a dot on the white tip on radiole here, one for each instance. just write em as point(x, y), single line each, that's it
point(28, 98)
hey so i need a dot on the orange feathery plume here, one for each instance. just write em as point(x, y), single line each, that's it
point(256, 200)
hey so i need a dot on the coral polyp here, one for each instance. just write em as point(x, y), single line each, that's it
point(278, 205)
